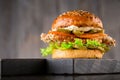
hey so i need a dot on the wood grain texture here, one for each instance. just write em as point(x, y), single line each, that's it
point(11, 67)
point(43, 77)
point(23, 66)
point(22, 21)
point(96, 66)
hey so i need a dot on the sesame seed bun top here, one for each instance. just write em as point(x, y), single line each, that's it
point(78, 18)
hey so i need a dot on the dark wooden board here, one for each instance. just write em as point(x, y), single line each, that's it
point(23, 66)
point(64, 77)
point(59, 66)
point(97, 66)
point(60, 69)
point(39, 77)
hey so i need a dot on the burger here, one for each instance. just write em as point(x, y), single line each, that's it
point(76, 34)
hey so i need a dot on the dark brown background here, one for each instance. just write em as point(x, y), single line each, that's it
point(22, 21)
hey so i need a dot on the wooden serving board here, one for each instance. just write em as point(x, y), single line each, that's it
point(59, 66)
point(60, 69)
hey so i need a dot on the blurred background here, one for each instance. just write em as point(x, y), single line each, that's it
point(22, 22)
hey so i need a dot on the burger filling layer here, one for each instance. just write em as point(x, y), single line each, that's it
point(80, 30)
point(76, 44)
point(73, 37)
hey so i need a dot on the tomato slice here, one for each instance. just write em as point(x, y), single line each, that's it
point(60, 33)
point(92, 35)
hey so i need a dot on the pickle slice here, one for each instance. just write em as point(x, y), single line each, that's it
point(64, 30)
point(77, 32)
point(95, 31)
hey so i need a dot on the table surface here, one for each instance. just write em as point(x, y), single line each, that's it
point(64, 77)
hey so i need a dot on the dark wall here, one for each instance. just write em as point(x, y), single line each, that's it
point(22, 21)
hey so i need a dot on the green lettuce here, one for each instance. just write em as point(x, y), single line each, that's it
point(48, 50)
point(92, 44)
point(77, 44)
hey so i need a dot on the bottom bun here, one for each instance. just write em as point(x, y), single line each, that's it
point(87, 54)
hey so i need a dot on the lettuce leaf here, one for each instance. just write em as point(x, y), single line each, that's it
point(77, 44)
point(92, 44)
point(65, 45)
point(48, 50)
